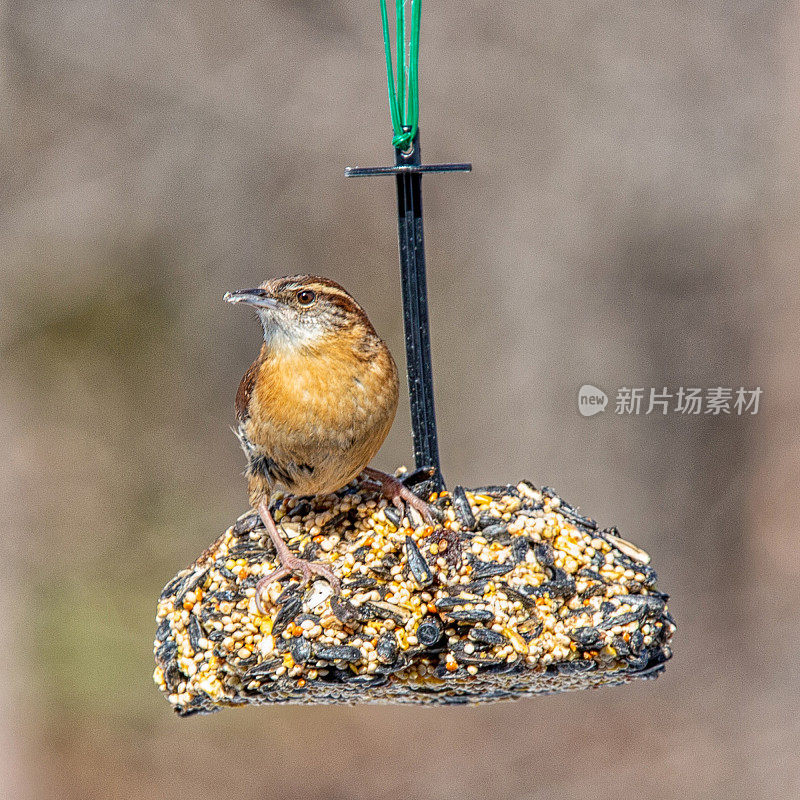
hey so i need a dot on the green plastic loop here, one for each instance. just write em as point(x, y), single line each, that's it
point(403, 100)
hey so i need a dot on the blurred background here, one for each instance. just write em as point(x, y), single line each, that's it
point(632, 220)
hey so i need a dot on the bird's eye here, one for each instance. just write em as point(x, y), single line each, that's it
point(306, 297)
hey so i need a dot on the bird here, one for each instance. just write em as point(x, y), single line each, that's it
point(315, 406)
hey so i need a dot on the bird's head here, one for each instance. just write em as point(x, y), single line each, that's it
point(303, 311)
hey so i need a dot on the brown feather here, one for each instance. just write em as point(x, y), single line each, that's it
point(246, 385)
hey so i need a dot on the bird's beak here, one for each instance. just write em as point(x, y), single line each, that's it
point(253, 297)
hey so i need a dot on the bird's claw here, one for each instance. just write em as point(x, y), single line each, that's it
point(398, 494)
point(305, 568)
point(417, 503)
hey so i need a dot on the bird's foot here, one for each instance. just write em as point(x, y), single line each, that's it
point(397, 493)
point(288, 567)
point(289, 563)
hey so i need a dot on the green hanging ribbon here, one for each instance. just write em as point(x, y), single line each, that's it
point(404, 101)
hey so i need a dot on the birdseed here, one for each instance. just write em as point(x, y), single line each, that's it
point(514, 593)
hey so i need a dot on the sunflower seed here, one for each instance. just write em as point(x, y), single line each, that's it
point(344, 610)
point(462, 508)
point(386, 649)
point(491, 569)
point(342, 652)
point(429, 632)
point(195, 632)
point(262, 670)
point(486, 636)
point(288, 611)
point(417, 564)
point(300, 649)
point(465, 615)
point(587, 638)
point(393, 515)
point(544, 553)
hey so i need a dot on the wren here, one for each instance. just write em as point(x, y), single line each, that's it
point(315, 406)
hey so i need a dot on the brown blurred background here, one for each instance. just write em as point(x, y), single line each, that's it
point(632, 220)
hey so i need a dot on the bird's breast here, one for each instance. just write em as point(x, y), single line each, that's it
point(319, 397)
point(321, 419)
